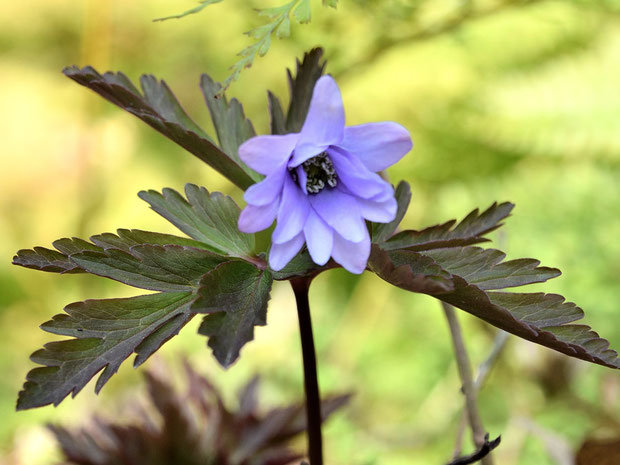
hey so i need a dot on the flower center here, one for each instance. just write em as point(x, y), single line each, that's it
point(320, 172)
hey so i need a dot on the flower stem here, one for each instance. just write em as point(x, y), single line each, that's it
point(311, 385)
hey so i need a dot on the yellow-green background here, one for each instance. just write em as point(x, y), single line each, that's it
point(520, 105)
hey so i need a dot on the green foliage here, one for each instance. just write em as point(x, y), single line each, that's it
point(194, 427)
point(438, 261)
point(190, 276)
point(210, 218)
point(160, 109)
point(279, 23)
point(234, 296)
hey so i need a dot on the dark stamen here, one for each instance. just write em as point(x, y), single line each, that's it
point(320, 172)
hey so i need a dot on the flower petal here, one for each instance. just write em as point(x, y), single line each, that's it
point(281, 254)
point(268, 189)
point(377, 145)
point(253, 218)
point(340, 211)
point(358, 179)
point(379, 212)
point(324, 123)
point(266, 153)
point(292, 214)
point(319, 238)
point(353, 256)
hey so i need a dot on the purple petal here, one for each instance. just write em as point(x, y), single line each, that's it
point(340, 211)
point(379, 212)
point(268, 189)
point(266, 153)
point(319, 238)
point(281, 254)
point(358, 179)
point(353, 256)
point(292, 214)
point(253, 219)
point(302, 178)
point(324, 123)
point(377, 145)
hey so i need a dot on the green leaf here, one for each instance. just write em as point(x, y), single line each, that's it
point(484, 267)
point(471, 272)
point(197, 9)
point(277, 122)
point(45, 260)
point(160, 109)
point(381, 232)
point(235, 296)
point(302, 12)
point(231, 125)
point(300, 265)
point(104, 332)
point(284, 28)
point(469, 231)
point(330, 3)
point(210, 218)
point(154, 267)
point(309, 70)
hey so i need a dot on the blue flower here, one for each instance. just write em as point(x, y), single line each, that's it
point(322, 184)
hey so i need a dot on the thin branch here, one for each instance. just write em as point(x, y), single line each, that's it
point(464, 367)
point(311, 385)
point(480, 454)
point(484, 369)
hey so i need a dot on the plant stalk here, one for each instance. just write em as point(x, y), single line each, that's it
point(464, 367)
point(311, 384)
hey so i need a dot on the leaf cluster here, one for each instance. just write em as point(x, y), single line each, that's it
point(278, 24)
point(217, 271)
point(193, 426)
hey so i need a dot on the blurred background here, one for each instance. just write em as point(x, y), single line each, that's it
point(505, 100)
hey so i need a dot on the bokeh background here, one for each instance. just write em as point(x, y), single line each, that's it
point(505, 100)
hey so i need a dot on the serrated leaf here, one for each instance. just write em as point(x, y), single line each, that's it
point(467, 232)
point(210, 218)
point(105, 333)
point(231, 125)
point(263, 45)
point(167, 268)
point(410, 270)
point(537, 317)
point(381, 232)
point(300, 265)
point(309, 70)
point(235, 296)
point(485, 269)
point(124, 239)
point(302, 12)
point(44, 259)
point(197, 9)
point(160, 109)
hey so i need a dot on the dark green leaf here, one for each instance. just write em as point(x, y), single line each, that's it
point(45, 260)
point(301, 87)
point(235, 296)
point(381, 232)
point(469, 231)
point(540, 318)
point(160, 109)
point(104, 332)
point(277, 120)
point(124, 239)
point(153, 267)
point(410, 270)
point(231, 125)
point(210, 218)
point(300, 265)
point(484, 267)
